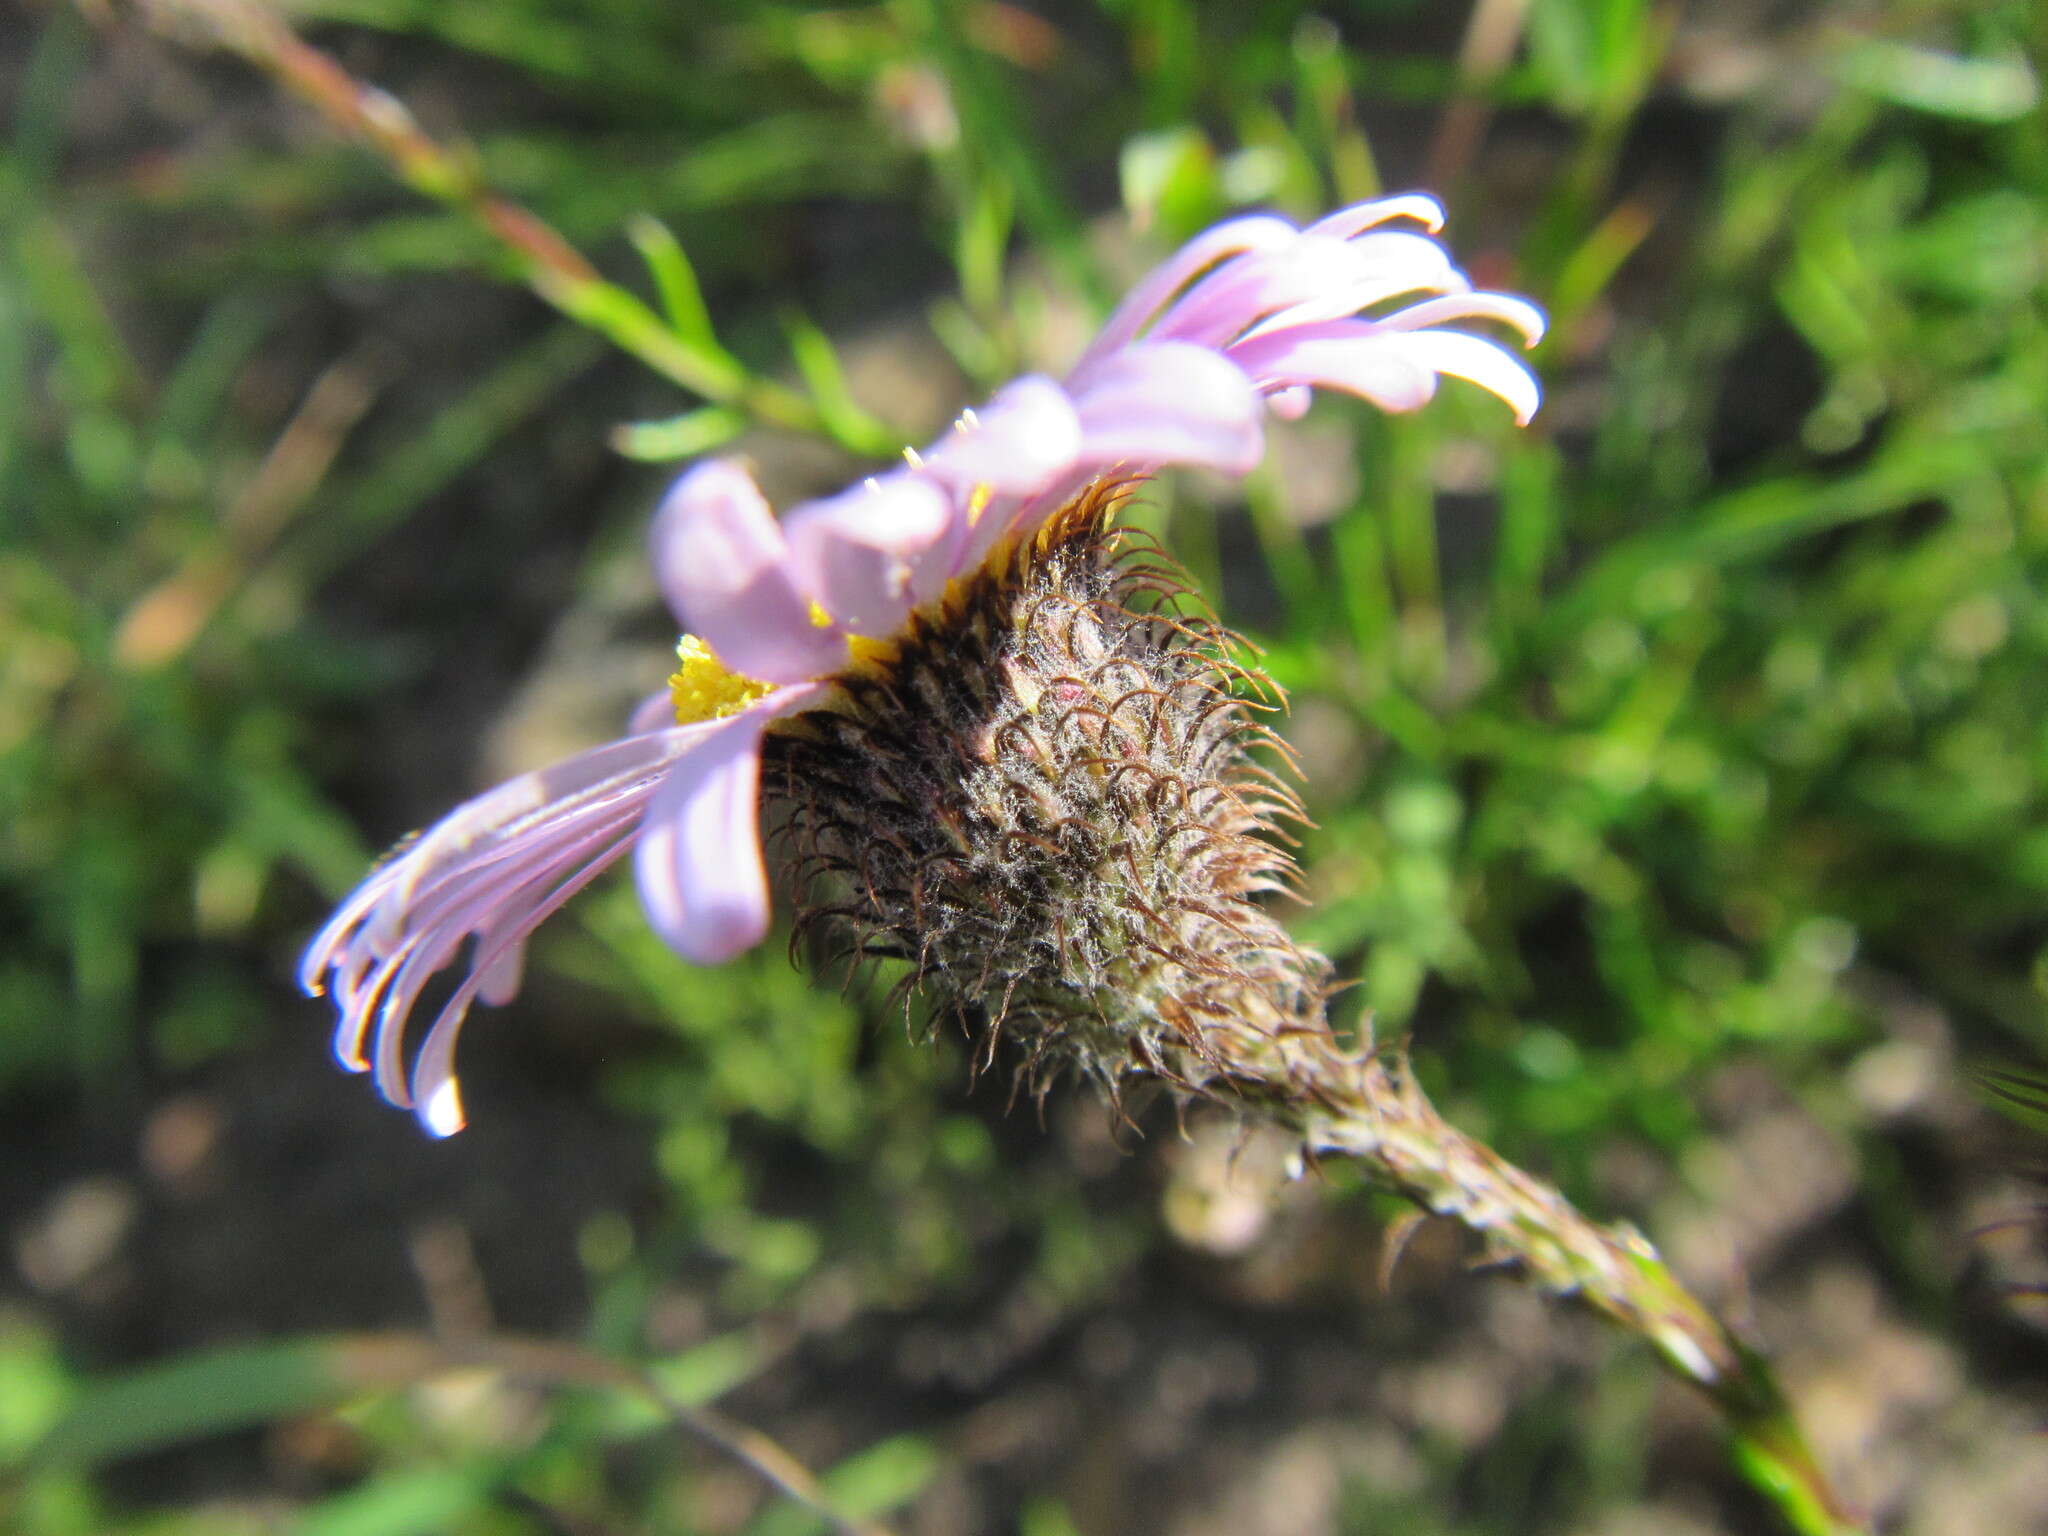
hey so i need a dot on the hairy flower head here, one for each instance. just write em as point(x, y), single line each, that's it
point(1030, 778)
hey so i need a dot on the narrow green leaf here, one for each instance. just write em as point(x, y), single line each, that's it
point(869, 1483)
point(679, 437)
point(682, 297)
point(2018, 1094)
point(412, 1503)
point(194, 1396)
point(883, 1476)
point(705, 1373)
point(1169, 181)
point(819, 364)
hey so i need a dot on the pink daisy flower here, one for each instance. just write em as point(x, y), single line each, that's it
point(1249, 317)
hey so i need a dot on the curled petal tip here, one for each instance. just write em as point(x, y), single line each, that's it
point(1290, 402)
point(486, 874)
point(441, 1110)
point(1423, 207)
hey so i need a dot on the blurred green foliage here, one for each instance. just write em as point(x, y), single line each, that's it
point(1690, 725)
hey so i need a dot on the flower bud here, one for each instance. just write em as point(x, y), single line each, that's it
point(1051, 799)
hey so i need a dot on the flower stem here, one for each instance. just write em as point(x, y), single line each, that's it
point(1371, 1109)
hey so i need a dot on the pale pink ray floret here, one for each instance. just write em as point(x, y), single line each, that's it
point(1248, 318)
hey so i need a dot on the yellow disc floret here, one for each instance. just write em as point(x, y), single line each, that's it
point(703, 688)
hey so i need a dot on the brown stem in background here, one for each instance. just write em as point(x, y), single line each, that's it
point(383, 1360)
point(546, 262)
point(1491, 37)
point(161, 625)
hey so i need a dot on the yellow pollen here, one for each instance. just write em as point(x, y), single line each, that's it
point(704, 689)
point(820, 619)
point(868, 650)
point(978, 502)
